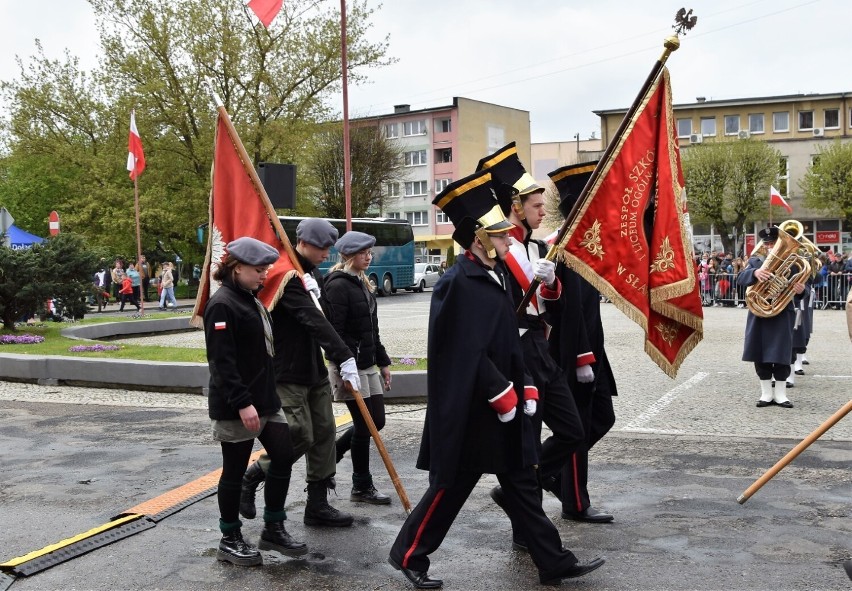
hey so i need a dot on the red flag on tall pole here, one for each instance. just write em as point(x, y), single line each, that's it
point(239, 207)
point(775, 198)
point(135, 154)
point(266, 10)
point(629, 238)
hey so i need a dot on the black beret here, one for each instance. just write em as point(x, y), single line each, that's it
point(353, 242)
point(316, 231)
point(770, 234)
point(251, 251)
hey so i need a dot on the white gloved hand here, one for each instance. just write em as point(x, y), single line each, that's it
point(545, 271)
point(505, 418)
point(529, 407)
point(585, 374)
point(311, 284)
point(349, 373)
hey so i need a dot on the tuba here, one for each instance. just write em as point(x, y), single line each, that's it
point(788, 266)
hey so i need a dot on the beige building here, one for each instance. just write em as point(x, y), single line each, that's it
point(441, 145)
point(796, 125)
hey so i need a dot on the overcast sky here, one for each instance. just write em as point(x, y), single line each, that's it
point(557, 59)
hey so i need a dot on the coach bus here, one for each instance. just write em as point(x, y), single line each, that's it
point(392, 266)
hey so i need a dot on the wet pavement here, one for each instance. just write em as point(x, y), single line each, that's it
point(671, 469)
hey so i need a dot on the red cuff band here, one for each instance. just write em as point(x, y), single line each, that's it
point(585, 359)
point(551, 294)
point(530, 393)
point(505, 400)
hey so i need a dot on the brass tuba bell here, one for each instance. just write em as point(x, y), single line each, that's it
point(788, 267)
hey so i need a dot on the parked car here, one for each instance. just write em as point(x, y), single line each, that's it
point(425, 275)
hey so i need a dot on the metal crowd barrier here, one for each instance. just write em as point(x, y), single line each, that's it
point(721, 289)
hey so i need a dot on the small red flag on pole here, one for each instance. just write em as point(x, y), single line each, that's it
point(135, 155)
point(775, 198)
point(266, 10)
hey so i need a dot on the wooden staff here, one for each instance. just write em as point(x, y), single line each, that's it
point(791, 455)
point(380, 445)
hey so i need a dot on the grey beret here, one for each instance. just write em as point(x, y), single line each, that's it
point(316, 231)
point(353, 242)
point(251, 251)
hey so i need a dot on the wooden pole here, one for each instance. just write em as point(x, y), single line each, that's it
point(380, 445)
point(791, 455)
point(138, 239)
point(347, 161)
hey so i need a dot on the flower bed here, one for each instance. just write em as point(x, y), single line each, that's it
point(20, 339)
point(90, 348)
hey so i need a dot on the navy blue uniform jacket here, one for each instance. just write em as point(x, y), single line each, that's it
point(474, 351)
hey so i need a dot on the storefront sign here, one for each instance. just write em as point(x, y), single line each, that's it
point(827, 237)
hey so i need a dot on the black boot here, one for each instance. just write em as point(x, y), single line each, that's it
point(363, 491)
point(251, 480)
point(319, 512)
point(233, 549)
point(275, 537)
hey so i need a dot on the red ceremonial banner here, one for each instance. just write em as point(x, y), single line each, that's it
point(629, 238)
point(237, 209)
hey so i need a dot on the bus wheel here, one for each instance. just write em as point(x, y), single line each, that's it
point(374, 282)
point(387, 285)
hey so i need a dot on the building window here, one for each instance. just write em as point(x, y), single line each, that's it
point(444, 155)
point(395, 215)
point(415, 188)
point(417, 218)
point(414, 128)
point(443, 126)
point(416, 158)
point(781, 122)
point(441, 218)
point(806, 120)
point(783, 175)
point(392, 130)
point(684, 127)
point(755, 122)
point(708, 126)
point(392, 189)
point(832, 118)
point(441, 184)
point(732, 124)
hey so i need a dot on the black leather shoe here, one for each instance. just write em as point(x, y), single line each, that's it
point(590, 515)
point(762, 403)
point(369, 495)
point(420, 579)
point(572, 572)
point(785, 404)
point(800, 372)
point(791, 385)
point(233, 549)
point(275, 537)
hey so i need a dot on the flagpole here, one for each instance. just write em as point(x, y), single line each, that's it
point(138, 238)
point(670, 44)
point(258, 185)
point(347, 161)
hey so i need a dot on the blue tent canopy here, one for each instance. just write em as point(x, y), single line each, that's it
point(19, 239)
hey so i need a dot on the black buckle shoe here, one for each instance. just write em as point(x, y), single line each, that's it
point(369, 495)
point(420, 579)
point(275, 537)
point(233, 549)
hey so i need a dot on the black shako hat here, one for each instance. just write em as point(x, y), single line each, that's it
point(508, 175)
point(769, 233)
point(251, 251)
point(472, 206)
point(569, 181)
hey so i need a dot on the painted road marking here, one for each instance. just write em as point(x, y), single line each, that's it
point(639, 422)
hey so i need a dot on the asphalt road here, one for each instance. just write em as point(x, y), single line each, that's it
point(671, 469)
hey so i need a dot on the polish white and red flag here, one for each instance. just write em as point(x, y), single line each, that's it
point(135, 155)
point(775, 198)
point(266, 10)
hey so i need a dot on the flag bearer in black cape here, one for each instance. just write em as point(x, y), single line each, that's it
point(522, 201)
point(577, 344)
point(769, 341)
point(475, 418)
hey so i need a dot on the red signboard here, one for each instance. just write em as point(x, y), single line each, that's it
point(749, 244)
point(53, 223)
point(832, 237)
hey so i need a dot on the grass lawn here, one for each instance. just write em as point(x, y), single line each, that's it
point(56, 344)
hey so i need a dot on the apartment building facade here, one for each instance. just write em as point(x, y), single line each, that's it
point(441, 145)
point(796, 125)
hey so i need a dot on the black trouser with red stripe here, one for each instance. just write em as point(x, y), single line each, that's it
point(429, 522)
point(598, 416)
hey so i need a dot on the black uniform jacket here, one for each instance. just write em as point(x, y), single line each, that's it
point(300, 329)
point(241, 370)
point(474, 351)
point(767, 340)
point(352, 311)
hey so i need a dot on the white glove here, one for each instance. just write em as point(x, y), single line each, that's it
point(311, 284)
point(349, 373)
point(505, 418)
point(545, 271)
point(585, 374)
point(529, 407)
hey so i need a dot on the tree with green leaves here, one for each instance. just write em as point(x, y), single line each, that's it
point(727, 183)
point(71, 126)
point(827, 184)
point(375, 162)
point(61, 269)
